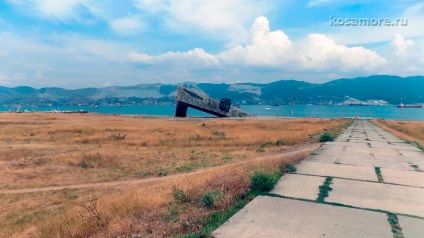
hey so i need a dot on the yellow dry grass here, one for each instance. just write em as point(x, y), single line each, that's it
point(38, 150)
point(407, 130)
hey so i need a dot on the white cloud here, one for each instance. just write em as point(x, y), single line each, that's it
point(4, 80)
point(223, 19)
point(313, 3)
point(4, 53)
point(152, 6)
point(320, 53)
point(39, 75)
point(275, 51)
point(60, 10)
point(413, 15)
point(267, 48)
point(193, 58)
point(400, 45)
point(71, 62)
point(407, 56)
point(128, 25)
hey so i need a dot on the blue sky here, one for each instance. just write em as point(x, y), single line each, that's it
point(89, 43)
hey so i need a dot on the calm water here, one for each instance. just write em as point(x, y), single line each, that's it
point(388, 112)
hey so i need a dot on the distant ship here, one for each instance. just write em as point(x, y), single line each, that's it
point(267, 108)
point(409, 106)
point(95, 106)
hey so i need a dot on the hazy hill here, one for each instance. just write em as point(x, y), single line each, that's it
point(387, 88)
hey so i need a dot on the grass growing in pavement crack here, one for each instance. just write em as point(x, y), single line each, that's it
point(394, 223)
point(379, 175)
point(324, 189)
point(416, 144)
point(416, 167)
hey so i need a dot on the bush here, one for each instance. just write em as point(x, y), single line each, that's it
point(208, 199)
point(83, 165)
point(291, 168)
point(263, 182)
point(218, 133)
point(326, 137)
point(180, 196)
point(279, 142)
point(287, 168)
point(267, 144)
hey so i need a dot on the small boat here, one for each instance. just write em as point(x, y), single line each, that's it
point(119, 105)
point(95, 106)
point(409, 106)
point(267, 108)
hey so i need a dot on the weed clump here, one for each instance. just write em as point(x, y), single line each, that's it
point(287, 168)
point(326, 137)
point(218, 133)
point(84, 165)
point(264, 182)
point(325, 189)
point(279, 142)
point(208, 199)
point(267, 144)
point(180, 196)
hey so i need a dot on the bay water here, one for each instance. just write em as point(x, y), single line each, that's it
point(387, 112)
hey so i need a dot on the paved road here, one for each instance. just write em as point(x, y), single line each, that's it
point(367, 183)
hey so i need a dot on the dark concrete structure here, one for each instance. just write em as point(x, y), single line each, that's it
point(189, 98)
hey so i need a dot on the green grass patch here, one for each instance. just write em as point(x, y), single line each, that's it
point(325, 137)
point(325, 189)
point(218, 133)
point(416, 168)
point(279, 142)
point(263, 181)
point(287, 168)
point(416, 144)
point(379, 175)
point(209, 198)
point(227, 157)
point(394, 223)
point(217, 218)
point(267, 144)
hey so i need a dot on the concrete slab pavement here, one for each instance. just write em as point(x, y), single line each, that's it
point(278, 217)
point(374, 176)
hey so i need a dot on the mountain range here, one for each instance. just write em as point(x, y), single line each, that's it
point(392, 89)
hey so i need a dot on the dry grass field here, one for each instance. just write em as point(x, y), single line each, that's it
point(191, 157)
point(412, 131)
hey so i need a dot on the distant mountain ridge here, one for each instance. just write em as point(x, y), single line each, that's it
point(378, 87)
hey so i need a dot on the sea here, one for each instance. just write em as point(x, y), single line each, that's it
point(321, 111)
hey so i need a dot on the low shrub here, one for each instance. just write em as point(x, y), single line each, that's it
point(326, 137)
point(264, 182)
point(180, 196)
point(279, 142)
point(287, 168)
point(208, 199)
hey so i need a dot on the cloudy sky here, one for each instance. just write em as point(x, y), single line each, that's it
point(97, 43)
